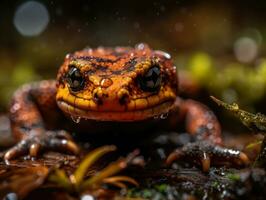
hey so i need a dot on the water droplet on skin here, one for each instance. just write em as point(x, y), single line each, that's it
point(164, 116)
point(141, 46)
point(164, 54)
point(75, 119)
point(68, 56)
point(87, 197)
point(106, 82)
point(11, 196)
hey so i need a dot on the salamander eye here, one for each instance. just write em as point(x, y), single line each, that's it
point(151, 80)
point(75, 79)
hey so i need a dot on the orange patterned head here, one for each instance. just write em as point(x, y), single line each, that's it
point(117, 84)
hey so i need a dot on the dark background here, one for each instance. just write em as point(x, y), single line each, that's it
point(179, 27)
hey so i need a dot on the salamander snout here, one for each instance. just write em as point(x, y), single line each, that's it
point(123, 96)
point(99, 95)
point(102, 96)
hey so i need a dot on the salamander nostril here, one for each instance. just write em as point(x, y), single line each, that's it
point(97, 99)
point(123, 100)
point(97, 96)
point(123, 96)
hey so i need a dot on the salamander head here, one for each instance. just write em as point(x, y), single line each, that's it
point(117, 84)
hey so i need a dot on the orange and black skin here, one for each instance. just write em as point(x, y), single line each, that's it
point(121, 85)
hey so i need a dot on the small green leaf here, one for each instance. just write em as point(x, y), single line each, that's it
point(89, 160)
point(110, 170)
point(233, 177)
point(60, 178)
point(253, 144)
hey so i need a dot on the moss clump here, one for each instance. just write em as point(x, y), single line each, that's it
point(233, 177)
point(229, 80)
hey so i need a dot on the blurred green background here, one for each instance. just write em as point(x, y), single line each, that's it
point(220, 43)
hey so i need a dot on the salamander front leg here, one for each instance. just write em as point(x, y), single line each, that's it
point(29, 104)
point(38, 140)
point(207, 149)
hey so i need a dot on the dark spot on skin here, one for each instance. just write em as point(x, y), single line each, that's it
point(97, 99)
point(117, 72)
point(61, 80)
point(89, 72)
point(100, 67)
point(130, 65)
point(123, 100)
point(97, 59)
point(104, 76)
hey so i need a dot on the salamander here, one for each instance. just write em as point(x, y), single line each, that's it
point(121, 85)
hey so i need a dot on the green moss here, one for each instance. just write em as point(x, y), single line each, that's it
point(200, 66)
point(23, 73)
point(215, 184)
point(157, 191)
point(161, 188)
point(228, 80)
point(233, 177)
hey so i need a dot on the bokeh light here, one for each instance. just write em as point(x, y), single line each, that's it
point(31, 18)
point(245, 49)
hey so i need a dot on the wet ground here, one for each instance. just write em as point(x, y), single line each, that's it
point(28, 179)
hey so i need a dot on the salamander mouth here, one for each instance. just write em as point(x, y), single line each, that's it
point(155, 111)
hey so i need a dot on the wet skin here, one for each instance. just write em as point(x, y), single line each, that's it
point(122, 85)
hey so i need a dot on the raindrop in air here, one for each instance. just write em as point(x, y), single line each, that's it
point(75, 119)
